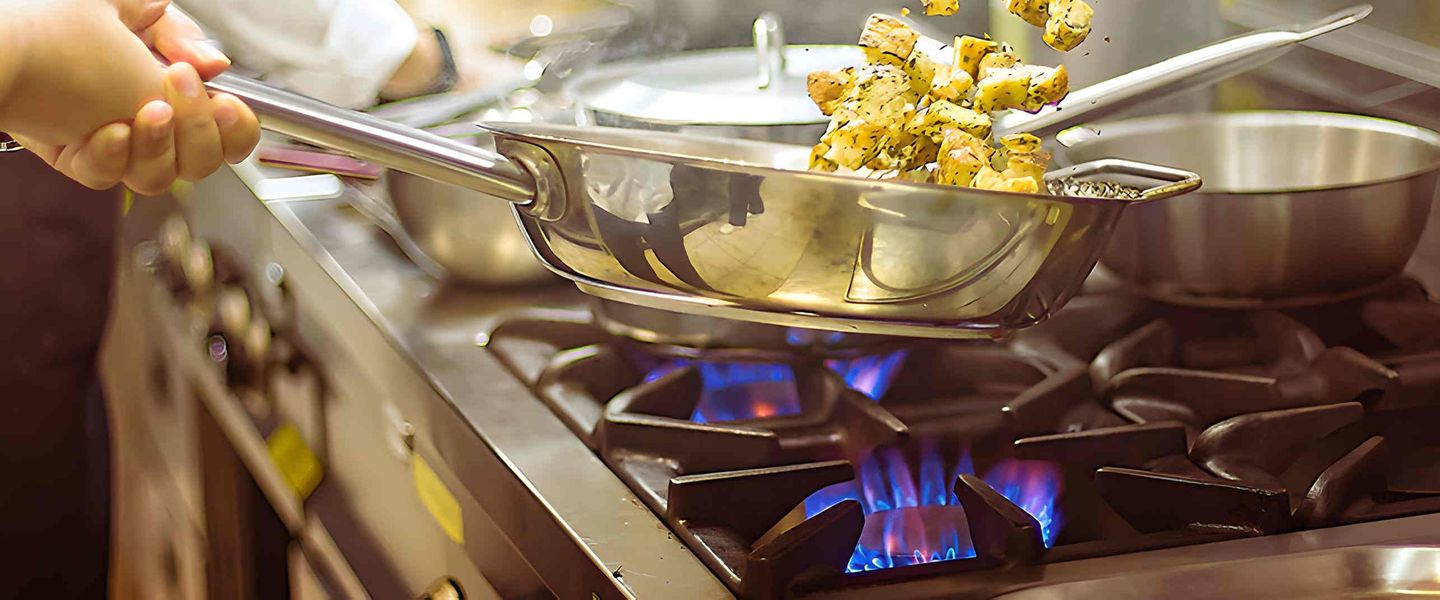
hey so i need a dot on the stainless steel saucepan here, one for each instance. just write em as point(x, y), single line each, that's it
point(739, 229)
point(1298, 208)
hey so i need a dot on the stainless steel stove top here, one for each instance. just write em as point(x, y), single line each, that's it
point(556, 499)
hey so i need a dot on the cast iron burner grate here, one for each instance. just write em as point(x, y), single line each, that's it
point(1120, 426)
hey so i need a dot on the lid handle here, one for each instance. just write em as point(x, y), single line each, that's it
point(769, 48)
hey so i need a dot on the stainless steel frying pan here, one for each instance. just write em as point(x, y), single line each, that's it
point(739, 229)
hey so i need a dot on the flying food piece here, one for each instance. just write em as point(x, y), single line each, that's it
point(1066, 22)
point(922, 70)
point(1034, 12)
point(854, 144)
point(888, 35)
point(1020, 156)
point(990, 179)
point(1003, 58)
point(1069, 24)
point(942, 117)
point(1003, 89)
point(961, 158)
point(941, 8)
point(950, 83)
point(827, 88)
point(880, 94)
point(906, 115)
point(969, 51)
point(1047, 86)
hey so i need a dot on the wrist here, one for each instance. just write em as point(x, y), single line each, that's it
point(14, 54)
point(429, 69)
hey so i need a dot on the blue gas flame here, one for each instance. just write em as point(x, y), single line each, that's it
point(889, 489)
point(739, 391)
point(870, 375)
point(1032, 485)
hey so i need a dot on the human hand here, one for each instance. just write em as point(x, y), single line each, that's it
point(184, 136)
point(95, 71)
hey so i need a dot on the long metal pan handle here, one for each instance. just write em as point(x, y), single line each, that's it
point(377, 140)
point(1190, 71)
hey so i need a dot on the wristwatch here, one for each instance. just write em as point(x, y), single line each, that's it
point(8, 144)
point(449, 74)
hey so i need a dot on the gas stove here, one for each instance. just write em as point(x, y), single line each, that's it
point(1123, 426)
point(598, 450)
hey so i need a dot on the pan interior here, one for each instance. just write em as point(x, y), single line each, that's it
point(1271, 151)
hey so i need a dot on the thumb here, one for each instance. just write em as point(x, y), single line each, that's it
point(177, 38)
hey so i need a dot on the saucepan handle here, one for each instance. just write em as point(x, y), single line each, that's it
point(1118, 179)
point(379, 141)
point(1189, 71)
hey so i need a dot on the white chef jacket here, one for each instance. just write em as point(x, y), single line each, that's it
point(339, 51)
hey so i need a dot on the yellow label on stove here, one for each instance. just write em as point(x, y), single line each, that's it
point(299, 466)
point(437, 499)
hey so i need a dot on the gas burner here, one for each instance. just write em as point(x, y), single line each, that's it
point(911, 515)
point(829, 462)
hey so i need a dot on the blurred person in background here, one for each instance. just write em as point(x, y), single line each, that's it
point(76, 113)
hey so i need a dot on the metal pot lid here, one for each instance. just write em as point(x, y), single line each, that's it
point(759, 86)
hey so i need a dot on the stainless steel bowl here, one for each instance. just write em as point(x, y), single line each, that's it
point(1298, 207)
point(473, 237)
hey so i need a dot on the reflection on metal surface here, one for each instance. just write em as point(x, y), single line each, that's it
point(1296, 206)
point(1365, 572)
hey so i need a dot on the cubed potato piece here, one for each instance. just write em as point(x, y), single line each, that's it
point(950, 83)
point(1034, 12)
point(818, 162)
point(827, 88)
point(1047, 86)
point(854, 144)
point(970, 50)
point(877, 57)
point(1030, 166)
point(1004, 58)
point(941, 8)
point(1019, 185)
point(915, 151)
point(1021, 143)
point(889, 35)
point(921, 175)
point(1003, 89)
point(962, 156)
point(1069, 24)
point(922, 70)
point(990, 179)
point(944, 116)
point(986, 177)
point(881, 95)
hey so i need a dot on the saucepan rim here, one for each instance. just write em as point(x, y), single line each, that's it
point(1281, 117)
point(537, 131)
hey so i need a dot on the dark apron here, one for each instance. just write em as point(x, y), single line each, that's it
point(56, 246)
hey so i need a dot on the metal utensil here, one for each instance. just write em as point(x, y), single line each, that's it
point(740, 229)
point(1189, 71)
point(1298, 208)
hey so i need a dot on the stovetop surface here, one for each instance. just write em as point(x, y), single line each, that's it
point(1133, 356)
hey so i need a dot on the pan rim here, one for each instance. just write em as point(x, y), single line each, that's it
point(1388, 126)
point(754, 168)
